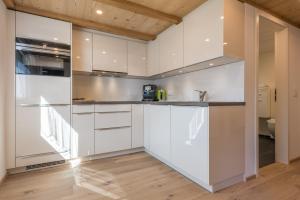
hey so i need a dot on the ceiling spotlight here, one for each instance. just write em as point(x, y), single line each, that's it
point(55, 39)
point(207, 40)
point(99, 12)
point(211, 64)
point(87, 39)
point(222, 17)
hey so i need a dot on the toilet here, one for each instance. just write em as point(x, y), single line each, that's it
point(271, 126)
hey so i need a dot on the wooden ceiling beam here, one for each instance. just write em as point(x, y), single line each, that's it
point(10, 4)
point(87, 23)
point(142, 10)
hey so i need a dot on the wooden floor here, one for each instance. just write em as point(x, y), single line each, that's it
point(141, 177)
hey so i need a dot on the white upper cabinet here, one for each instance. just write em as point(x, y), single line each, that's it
point(213, 30)
point(153, 58)
point(82, 51)
point(42, 28)
point(109, 53)
point(137, 58)
point(171, 48)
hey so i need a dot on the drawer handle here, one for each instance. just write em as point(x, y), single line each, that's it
point(86, 113)
point(113, 128)
point(113, 112)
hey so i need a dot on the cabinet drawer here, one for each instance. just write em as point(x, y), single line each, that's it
point(83, 109)
point(113, 108)
point(112, 120)
point(111, 140)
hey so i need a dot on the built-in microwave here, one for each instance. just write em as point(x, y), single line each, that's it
point(34, 57)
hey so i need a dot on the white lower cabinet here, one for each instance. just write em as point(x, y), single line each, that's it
point(137, 125)
point(111, 140)
point(159, 130)
point(190, 141)
point(82, 140)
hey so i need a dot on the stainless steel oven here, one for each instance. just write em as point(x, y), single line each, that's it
point(34, 57)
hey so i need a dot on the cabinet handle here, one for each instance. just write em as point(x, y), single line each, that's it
point(112, 128)
point(87, 113)
point(42, 105)
point(112, 112)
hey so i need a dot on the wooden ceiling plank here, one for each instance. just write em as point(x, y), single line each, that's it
point(9, 3)
point(261, 7)
point(142, 10)
point(86, 23)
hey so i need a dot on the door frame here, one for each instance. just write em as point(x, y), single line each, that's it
point(258, 15)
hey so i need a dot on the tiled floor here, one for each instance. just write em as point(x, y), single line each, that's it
point(266, 151)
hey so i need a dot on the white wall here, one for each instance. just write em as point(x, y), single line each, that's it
point(3, 63)
point(294, 93)
point(223, 83)
point(266, 75)
point(108, 88)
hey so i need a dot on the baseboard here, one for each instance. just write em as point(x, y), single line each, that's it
point(294, 160)
point(228, 182)
point(249, 178)
point(82, 160)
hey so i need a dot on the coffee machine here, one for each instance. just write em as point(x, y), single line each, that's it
point(149, 92)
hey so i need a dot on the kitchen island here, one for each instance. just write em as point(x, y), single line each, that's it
point(204, 141)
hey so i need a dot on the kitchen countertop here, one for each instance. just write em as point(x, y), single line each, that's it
point(173, 103)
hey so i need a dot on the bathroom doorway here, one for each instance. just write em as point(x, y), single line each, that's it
point(271, 88)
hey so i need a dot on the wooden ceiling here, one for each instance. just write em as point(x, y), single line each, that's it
point(288, 10)
point(141, 19)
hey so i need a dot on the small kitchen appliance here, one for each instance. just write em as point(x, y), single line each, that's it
point(149, 92)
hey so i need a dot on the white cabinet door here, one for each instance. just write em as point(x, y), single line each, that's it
point(42, 130)
point(137, 126)
point(171, 48)
point(137, 59)
point(42, 90)
point(203, 33)
point(42, 28)
point(109, 53)
point(82, 51)
point(147, 126)
point(160, 133)
point(190, 141)
point(111, 140)
point(82, 134)
point(153, 58)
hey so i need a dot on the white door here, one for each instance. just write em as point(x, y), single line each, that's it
point(282, 121)
point(82, 51)
point(109, 53)
point(137, 60)
point(160, 131)
point(42, 130)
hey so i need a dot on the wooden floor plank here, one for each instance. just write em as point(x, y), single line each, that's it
point(141, 177)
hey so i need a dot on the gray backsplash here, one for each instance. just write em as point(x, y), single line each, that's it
point(223, 83)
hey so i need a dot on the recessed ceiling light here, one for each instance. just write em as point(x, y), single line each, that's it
point(222, 17)
point(55, 39)
point(211, 64)
point(99, 12)
point(103, 52)
point(87, 39)
point(207, 40)
point(225, 43)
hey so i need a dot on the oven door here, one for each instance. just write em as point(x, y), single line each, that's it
point(42, 61)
